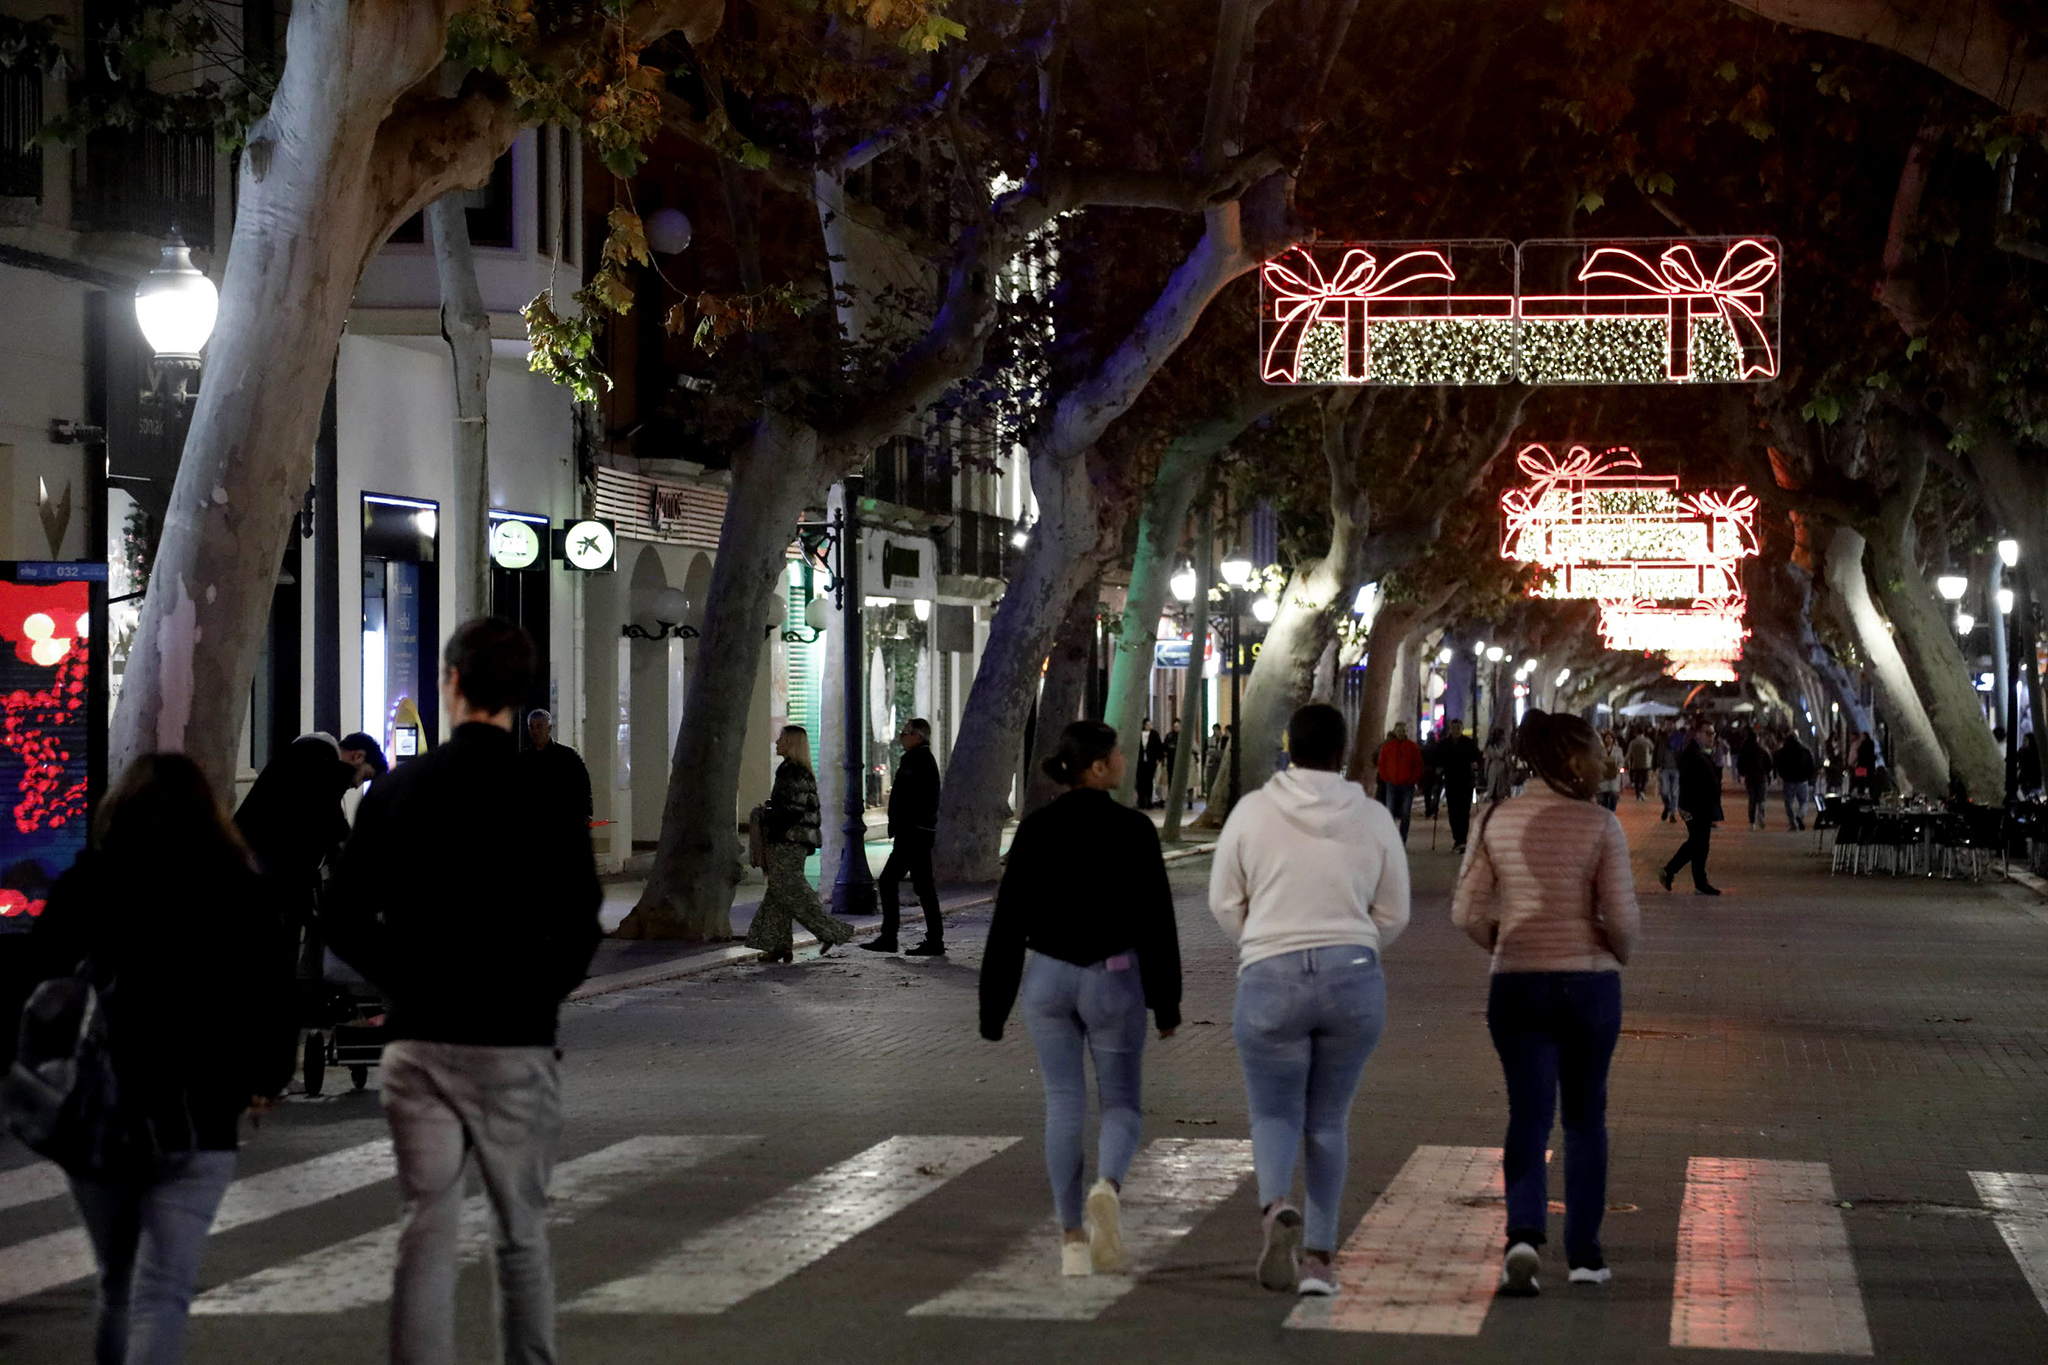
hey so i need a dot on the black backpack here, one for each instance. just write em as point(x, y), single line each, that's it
point(62, 1096)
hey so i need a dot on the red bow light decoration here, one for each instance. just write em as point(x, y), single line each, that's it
point(1735, 290)
point(1303, 297)
point(1524, 509)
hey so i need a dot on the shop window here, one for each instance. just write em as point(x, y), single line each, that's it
point(401, 622)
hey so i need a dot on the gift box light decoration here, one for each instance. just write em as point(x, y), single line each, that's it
point(1701, 310)
point(1402, 313)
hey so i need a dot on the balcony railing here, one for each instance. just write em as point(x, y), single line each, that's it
point(21, 117)
point(149, 181)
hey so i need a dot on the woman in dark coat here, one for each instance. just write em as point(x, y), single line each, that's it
point(186, 943)
point(790, 835)
point(292, 822)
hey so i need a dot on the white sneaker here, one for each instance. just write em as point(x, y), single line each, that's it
point(1074, 1259)
point(1585, 1274)
point(1318, 1278)
point(1105, 1230)
point(1518, 1272)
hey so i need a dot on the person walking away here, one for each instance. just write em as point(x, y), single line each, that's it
point(1085, 891)
point(1311, 879)
point(1753, 765)
point(1432, 773)
point(913, 825)
point(1547, 890)
point(1462, 763)
point(556, 763)
point(1151, 754)
point(468, 894)
point(1795, 769)
point(789, 835)
point(1400, 770)
point(1611, 760)
point(1169, 754)
point(191, 948)
point(293, 824)
point(1669, 748)
point(1642, 757)
point(1699, 806)
point(1500, 775)
point(1863, 765)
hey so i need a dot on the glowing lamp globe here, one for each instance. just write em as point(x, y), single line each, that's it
point(175, 305)
point(1494, 654)
point(1564, 675)
point(668, 231)
point(921, 608)
point(817, 613)
point(1965, 623)
point(1479, 649)
point(1237, 569)
point(1264, 609)
point(1183, 583)
point(1952, 586)
point(1443, 656)
point(1362, 604)
point(2009, 552)
point(2005, 601)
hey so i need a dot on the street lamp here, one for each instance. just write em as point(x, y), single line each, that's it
point(2005, 601)
point(1237, 568)
point(1964, 622)
point(1494, 653)
point(1443, 656)
point(1952, 586)
point(921, 608)
point(1563, 676)
point(834, 546)
point(1362, 604)
point(175, 305)
point(2009, 553)
point(1264, 608)
point(1183, 583)
point(1479, 649)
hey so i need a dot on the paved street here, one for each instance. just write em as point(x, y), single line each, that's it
point(1827, 1090)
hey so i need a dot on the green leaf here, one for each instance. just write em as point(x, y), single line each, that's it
point(755, 156)
point(1915, 347)
point(1592, 201)
point(1726, 71)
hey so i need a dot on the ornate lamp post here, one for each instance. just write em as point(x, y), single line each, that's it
point(834, 546)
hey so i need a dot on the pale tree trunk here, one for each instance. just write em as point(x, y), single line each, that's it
point(1194, 727)
point(1941, 678)
point(1407, 690)
point(327, 173)
point(689, 893)
point(466, 327)
point(1059, 697)
point(1916, 750)
point(1382, 663)
point(1971, 42)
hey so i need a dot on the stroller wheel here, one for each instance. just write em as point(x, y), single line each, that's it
point(316, 1061)
point(360, 1075)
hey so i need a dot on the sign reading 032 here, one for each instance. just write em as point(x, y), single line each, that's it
point(589, 545)
point(514, 545)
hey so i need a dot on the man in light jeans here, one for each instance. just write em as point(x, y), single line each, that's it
point(469, 895)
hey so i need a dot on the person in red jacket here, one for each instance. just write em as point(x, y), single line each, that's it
point(1400, 770)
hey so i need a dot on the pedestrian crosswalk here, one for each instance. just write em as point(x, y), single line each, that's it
point(1763, 1260)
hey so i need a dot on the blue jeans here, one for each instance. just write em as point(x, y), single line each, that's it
point(1667, 788)
point(1797, 796)
point(1400, 802)
point(1556, 1031)
point(148, 1237)
point(1067, 1008)
point(1306, 1023)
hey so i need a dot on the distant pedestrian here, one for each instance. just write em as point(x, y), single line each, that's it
point(1611, 759)
point(1169, 757)
point(1795, 769)
point(1462, 764)
point(1699, 806)
point(1863, 765)
point(1547, 890)
point(1085, 890)
point(1311, 879)
point(1400, 768)
point(1753, 765)
point(468, 894)
point(913, 826)
point(1670, 744)
point(790, 828)
point(293, 823)
point(1500, 766)
point(1642, 760)
point(1432, 773)
point(1212, 757)
point(2028, 766)
point(1151, 753)
point(556, 764)
point(188, 945)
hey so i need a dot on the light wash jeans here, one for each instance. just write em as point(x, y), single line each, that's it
point(148, 1237)
point(1066, 1008)
point(504, 1104)
point(1667, 788)
point(1798, 795)
point(1306, 1023)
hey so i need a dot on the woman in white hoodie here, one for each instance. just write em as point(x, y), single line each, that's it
point(1311, 880)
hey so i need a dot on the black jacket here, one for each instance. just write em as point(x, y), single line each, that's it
point(791, 814)
point(468, 894)
point(557, 763)
point(1085, 881)
point(1699, 784)
point(196, 963)
point(1154, 748)
point(1794, 762)
point(292, 819)
point(1459, 759)
point(1753, 761)
point(914, 797)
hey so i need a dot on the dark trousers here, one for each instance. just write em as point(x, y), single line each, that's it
point(1555, 1033)
point(911, 857)
point(1758, 801)
point(1458, 809)
point(1699, 832)
point(1147, 772)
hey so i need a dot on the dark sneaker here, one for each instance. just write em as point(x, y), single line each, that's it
point(1706, 890)
point(1280, 1259)
point(926, 949)
point(1518, 1272)
point(1664, 878)
point(875, 945)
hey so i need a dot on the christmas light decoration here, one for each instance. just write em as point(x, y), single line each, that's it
point(1385, 313)
point(1710, 328)
point(1705, 630)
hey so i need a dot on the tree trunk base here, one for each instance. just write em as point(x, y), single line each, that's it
point(640, 923)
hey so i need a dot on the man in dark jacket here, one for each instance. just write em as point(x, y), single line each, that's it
point(1795, 768)
point(557, 763)
point(913, 819)
point(1151, 749)
point(1699, 805)
point(469, 895)
point(1459, 759)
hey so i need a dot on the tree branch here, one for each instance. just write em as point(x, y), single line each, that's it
point(1971, 42)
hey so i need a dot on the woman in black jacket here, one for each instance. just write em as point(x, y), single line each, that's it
point(187, 943)
point(790, 834)
point(1086, 891)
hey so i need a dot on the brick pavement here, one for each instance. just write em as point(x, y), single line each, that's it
point(1893, 1031)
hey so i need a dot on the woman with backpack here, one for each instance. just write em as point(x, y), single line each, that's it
point(1547, 889)
point(187, 948)
point(1085, 890)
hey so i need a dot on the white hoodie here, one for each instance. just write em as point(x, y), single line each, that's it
point(1309, 861)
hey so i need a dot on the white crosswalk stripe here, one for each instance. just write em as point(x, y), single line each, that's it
point(2019, 1204)
point(59, 1257)
point(1764, 1261)
point(357, 1273)
point(723, 1265)
point(1172, 1185)
point(1425, 1259)
point(31, 1184)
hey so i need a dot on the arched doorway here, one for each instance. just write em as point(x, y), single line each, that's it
point(649, 683)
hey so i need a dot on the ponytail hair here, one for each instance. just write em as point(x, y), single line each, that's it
point(1082, 745)
point(1548, 743)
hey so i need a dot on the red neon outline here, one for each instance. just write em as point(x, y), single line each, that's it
point(1302, 298)
point(1677, 283)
